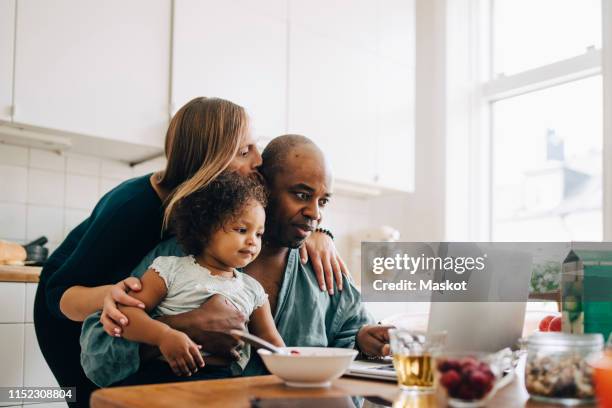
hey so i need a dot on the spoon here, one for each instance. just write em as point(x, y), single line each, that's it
point(256, 341)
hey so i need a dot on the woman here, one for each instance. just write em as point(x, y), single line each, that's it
point(205, 137)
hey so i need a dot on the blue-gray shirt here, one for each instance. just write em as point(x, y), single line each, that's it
point(304, 316)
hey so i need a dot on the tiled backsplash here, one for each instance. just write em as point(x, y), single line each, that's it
point(46, 193)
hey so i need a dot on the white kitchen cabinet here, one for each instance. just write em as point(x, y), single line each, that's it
point(94, 68)
point(395, 147)
point(351, 86)
point(29, 301)
point(11, 355)
point(396, 31)
point(348, 22)
point(36, 372)
point(13, 302)
point(7, 39)
point(228, 50)
point(332, 100)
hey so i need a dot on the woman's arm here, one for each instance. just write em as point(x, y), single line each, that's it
point(102, 250)
point(78, 302)
point(325, 259)
point(262, 325)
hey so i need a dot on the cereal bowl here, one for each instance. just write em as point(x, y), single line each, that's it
point(308, 366)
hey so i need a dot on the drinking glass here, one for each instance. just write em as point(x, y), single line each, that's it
point(413, 353)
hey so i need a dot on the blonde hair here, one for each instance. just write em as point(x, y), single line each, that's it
point(202, 139)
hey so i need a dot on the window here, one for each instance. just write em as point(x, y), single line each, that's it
point(532, 33)
point(544, 103)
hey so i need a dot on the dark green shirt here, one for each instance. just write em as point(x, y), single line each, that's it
point(123, 227)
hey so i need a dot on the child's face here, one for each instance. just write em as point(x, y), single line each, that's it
point(238, 243)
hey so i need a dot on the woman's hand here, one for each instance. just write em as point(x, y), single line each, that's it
point(181, 353)
point(326, 261)
point(112, 319)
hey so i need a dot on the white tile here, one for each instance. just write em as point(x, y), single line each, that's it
point(81, 191)
point(107, 184)
point(116, 169)
point(13, 155)
point(13, 302)
point(46, 187)
point(12, 221)
point(36, 371)
point(47, 221)
point(52, 246)
point(13, 183)
point(43, 159)
point(11, 355)
point(150, 166)
point(29, 301)
point(81, 164)
point(73, 217)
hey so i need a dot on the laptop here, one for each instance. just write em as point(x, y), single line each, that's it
point(498, 325)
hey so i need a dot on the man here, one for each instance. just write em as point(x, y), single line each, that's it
point(304, 315)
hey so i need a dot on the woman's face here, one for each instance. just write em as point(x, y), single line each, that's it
point(248, 159)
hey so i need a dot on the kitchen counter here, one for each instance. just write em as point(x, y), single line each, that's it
point(11, 273)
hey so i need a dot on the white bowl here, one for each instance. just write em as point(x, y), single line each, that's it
point(313, 367)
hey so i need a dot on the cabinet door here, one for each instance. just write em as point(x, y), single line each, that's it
point(395, 148)
point(396, 87)
point(332, 101)
point(11, 356)
point(233, 51)
point(95, 68)
point(351, 22)
point(13, 302)
point(7, 39)
point(36, 371)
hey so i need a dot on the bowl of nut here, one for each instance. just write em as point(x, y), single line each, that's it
point(557, 369)
point(468, 378)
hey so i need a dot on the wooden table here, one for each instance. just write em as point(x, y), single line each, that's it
point(238, 392)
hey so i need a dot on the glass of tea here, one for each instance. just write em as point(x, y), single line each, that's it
point(413, 357)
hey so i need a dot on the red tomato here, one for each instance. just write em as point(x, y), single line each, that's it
point(555, 324)
point(545, 323)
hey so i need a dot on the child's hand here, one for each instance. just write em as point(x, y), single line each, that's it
point(181, 352)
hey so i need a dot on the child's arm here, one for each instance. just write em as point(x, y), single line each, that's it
point(182, 354)
point(262, 325)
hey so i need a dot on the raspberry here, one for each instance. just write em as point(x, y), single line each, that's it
point(450, 379)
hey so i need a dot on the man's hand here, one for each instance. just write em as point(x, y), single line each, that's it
point(209, 325)
point(373, 340)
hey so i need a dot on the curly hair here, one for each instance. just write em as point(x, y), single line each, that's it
point(197, 216)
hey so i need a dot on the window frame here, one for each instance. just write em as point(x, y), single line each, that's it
point(481, 90)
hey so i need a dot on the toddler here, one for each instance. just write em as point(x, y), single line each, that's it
point(221, 228)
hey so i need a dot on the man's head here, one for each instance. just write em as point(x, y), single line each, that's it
point(300, 186)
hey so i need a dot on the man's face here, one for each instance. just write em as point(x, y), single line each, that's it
point(298, 196)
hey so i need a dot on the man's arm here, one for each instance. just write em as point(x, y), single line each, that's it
point(351, 316)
